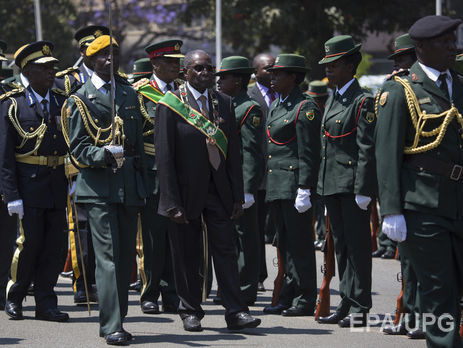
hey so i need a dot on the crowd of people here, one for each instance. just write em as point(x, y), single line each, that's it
point(182, 174)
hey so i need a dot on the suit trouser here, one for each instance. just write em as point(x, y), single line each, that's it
point(350, 227)
point(155, 262)
point(249, 250)
point(435, 246)
point(295, 241)
point(37, 257)
point(114, 228)
point(261, 220)
point(186, 257)
point(410, 296)
point(7, 238)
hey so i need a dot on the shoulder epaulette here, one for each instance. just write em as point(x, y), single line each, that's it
point(401, 72)
point(123, 75)
point(66, 71)
point(140, 83)
point(59, 91)
point(12, 92)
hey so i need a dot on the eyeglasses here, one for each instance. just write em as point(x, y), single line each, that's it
point(199, 68)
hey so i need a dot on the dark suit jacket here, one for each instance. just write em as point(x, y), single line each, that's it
point(38, 186)
point(183, 163)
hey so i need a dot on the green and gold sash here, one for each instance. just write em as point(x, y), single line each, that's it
point(214, 134)
point(151, 93)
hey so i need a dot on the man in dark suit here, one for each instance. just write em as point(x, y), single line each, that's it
point(262, 93)
point(200, 177)
point(32, 151)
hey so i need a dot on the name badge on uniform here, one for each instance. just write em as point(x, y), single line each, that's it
point(424, 100)
point(131, 107)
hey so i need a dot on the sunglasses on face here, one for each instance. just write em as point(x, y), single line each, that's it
point(199, 68)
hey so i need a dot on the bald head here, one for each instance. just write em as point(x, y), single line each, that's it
point(261, 62)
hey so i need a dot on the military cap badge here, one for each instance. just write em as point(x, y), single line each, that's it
point(46, 50)
point(98, 33)
point(177, 47)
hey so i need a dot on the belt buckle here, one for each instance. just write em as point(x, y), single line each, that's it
point(457, 170)
point(52, 161)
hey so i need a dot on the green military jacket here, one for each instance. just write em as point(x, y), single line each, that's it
point(347, 155)
point(96, 182)
point(403, 185)
point(249, 120)
point(293, 145)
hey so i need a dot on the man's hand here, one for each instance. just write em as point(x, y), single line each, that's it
point(177, 215)
point(395, 227)
point(114, 155)
point(16, 207)
point(237, 211)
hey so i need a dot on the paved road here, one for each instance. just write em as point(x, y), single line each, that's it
point(165, 330)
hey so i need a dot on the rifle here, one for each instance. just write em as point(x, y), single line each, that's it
point(400, 303)
point(374, 225)
point(328, 270)
point(279, 279)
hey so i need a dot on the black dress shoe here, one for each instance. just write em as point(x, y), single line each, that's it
point(30, 290)
point(13, 310)
point(388, 255)
point(318, 244)
point(333, 318)
point(136, 286)
point(296, 312)
point(169, 308)
point(416, 334)
point(378, 253)
point(149, 307)
point(260, 287)
point(192, 323)
point(128, 335)
point(67, 274)
point(395, 329)
point(52, 314)
point(80, 298)
point(354, 320)
point(277, 309)
point(242, 320)
point(118, 338)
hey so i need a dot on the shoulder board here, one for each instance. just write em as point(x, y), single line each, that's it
point(11, 93)
point(123, 75)
point(180, 81)
point(59, 91)
point(140, 83)
point(401, 72)
point(121, 79)
point(66, 71)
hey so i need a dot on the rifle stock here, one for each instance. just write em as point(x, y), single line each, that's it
point(328, 270)
point(279, 279)
point(374, 225)
point(400, 305)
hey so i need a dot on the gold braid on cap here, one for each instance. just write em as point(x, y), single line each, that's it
point(419, 119)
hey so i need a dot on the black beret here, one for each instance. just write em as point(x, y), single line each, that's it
point(432, 26)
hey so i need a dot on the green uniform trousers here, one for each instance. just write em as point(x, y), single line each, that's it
point(249, 251)
point(114, 228)
point(155, 257)
point(434, 244)
point(350, 227)
point(386, 244)
point(295, 240)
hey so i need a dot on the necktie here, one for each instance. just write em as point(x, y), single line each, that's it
point(443, 85)
point(168, 87)
point(272, 95)
point(212, 150)
point(46, 114)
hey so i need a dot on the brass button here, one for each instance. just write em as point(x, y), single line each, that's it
point(96, 120)
point(269, 170)
point(324, 157)
point(324, 136)
point(269, 141)
point(290, 167)
point(54, 136)
point(350, 163)
point(421, 169)
point(31, 129)
point(269, 156)
point(55, 152)
point(131, 117)
point(269, 126)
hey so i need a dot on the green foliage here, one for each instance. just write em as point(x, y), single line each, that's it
point(364, 65)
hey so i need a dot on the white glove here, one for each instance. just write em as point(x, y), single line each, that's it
point(72, 188)
point(394, 227)
point(16, 207)
point(248, 200)
point(302, 202)
point(117, 151)
point(362, 201)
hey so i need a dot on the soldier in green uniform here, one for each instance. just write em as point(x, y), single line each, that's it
point(153, 248)
point(404, 56)
point(419, 160)
point(8, 226)
point(142, 69)
point(234, 75)
point(347, 179)
point(293, 127)
point(32, 152)
point(110, 183)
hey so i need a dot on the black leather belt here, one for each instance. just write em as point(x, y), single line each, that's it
point(451, 171)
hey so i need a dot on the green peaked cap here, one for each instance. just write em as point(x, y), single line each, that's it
point(142, 67)
point(339, 46)
point(459, 64)
point(289, 62)
point(317, 89)
point(235, 65)
point(402, 45)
